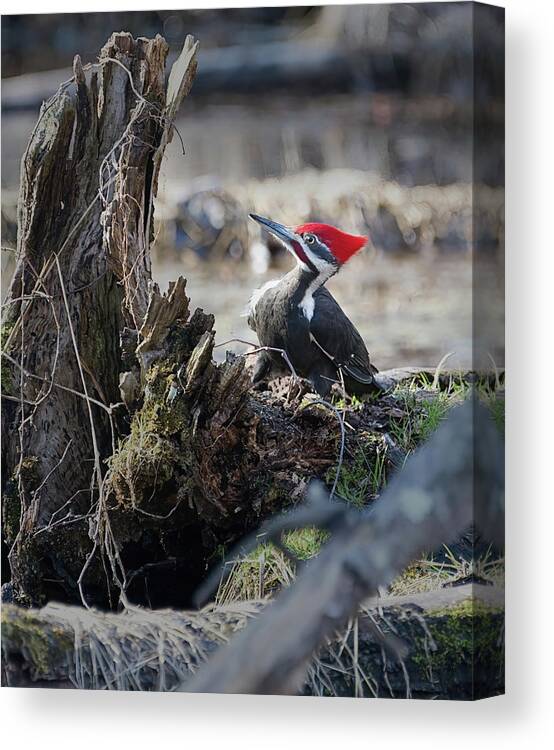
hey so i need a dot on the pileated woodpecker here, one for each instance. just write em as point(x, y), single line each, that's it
point(299, 315)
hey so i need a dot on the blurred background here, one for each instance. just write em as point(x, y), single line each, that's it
point(359, 116)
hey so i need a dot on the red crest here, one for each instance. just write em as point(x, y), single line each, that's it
point(341, 244)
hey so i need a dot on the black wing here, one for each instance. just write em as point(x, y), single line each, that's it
point(340, 339)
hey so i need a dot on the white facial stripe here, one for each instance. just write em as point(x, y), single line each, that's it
point(322, 264)
point(325, 270)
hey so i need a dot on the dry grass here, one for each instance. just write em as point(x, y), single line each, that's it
point(268, 569)
point(144, 649)
point(428, 574)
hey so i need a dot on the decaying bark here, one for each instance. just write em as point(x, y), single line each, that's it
point(428, 502)
point(88, 179)
point(442, 632)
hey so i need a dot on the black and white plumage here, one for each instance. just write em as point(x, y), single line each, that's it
point(299, 315)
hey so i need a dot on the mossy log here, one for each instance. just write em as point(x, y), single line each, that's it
point(452, 640)
point(454, 647)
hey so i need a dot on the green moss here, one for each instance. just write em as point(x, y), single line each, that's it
point(466, 608)
point(467, 633)
point(362, 478)
point(146, 459)
point(143, 462)
point(23, 631)
point(163, 413)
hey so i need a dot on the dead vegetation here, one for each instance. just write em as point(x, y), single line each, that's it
point(427, 219)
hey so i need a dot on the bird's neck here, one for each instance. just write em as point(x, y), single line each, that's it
point(303, 283)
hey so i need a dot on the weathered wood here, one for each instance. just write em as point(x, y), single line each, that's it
point(88, 179)
point(430, 501)
point(162, 312)
point(443, 631)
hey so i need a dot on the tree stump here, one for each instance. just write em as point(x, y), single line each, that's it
point(88, 179)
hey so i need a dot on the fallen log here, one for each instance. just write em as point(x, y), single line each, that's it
point(69, 647)
point(430, 501)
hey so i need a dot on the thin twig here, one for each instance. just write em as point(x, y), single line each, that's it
point(108, 409)
point(258, 349)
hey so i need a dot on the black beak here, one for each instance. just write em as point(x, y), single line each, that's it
point(283, 233)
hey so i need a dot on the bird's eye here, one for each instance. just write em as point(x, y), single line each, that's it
point(310, 239)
